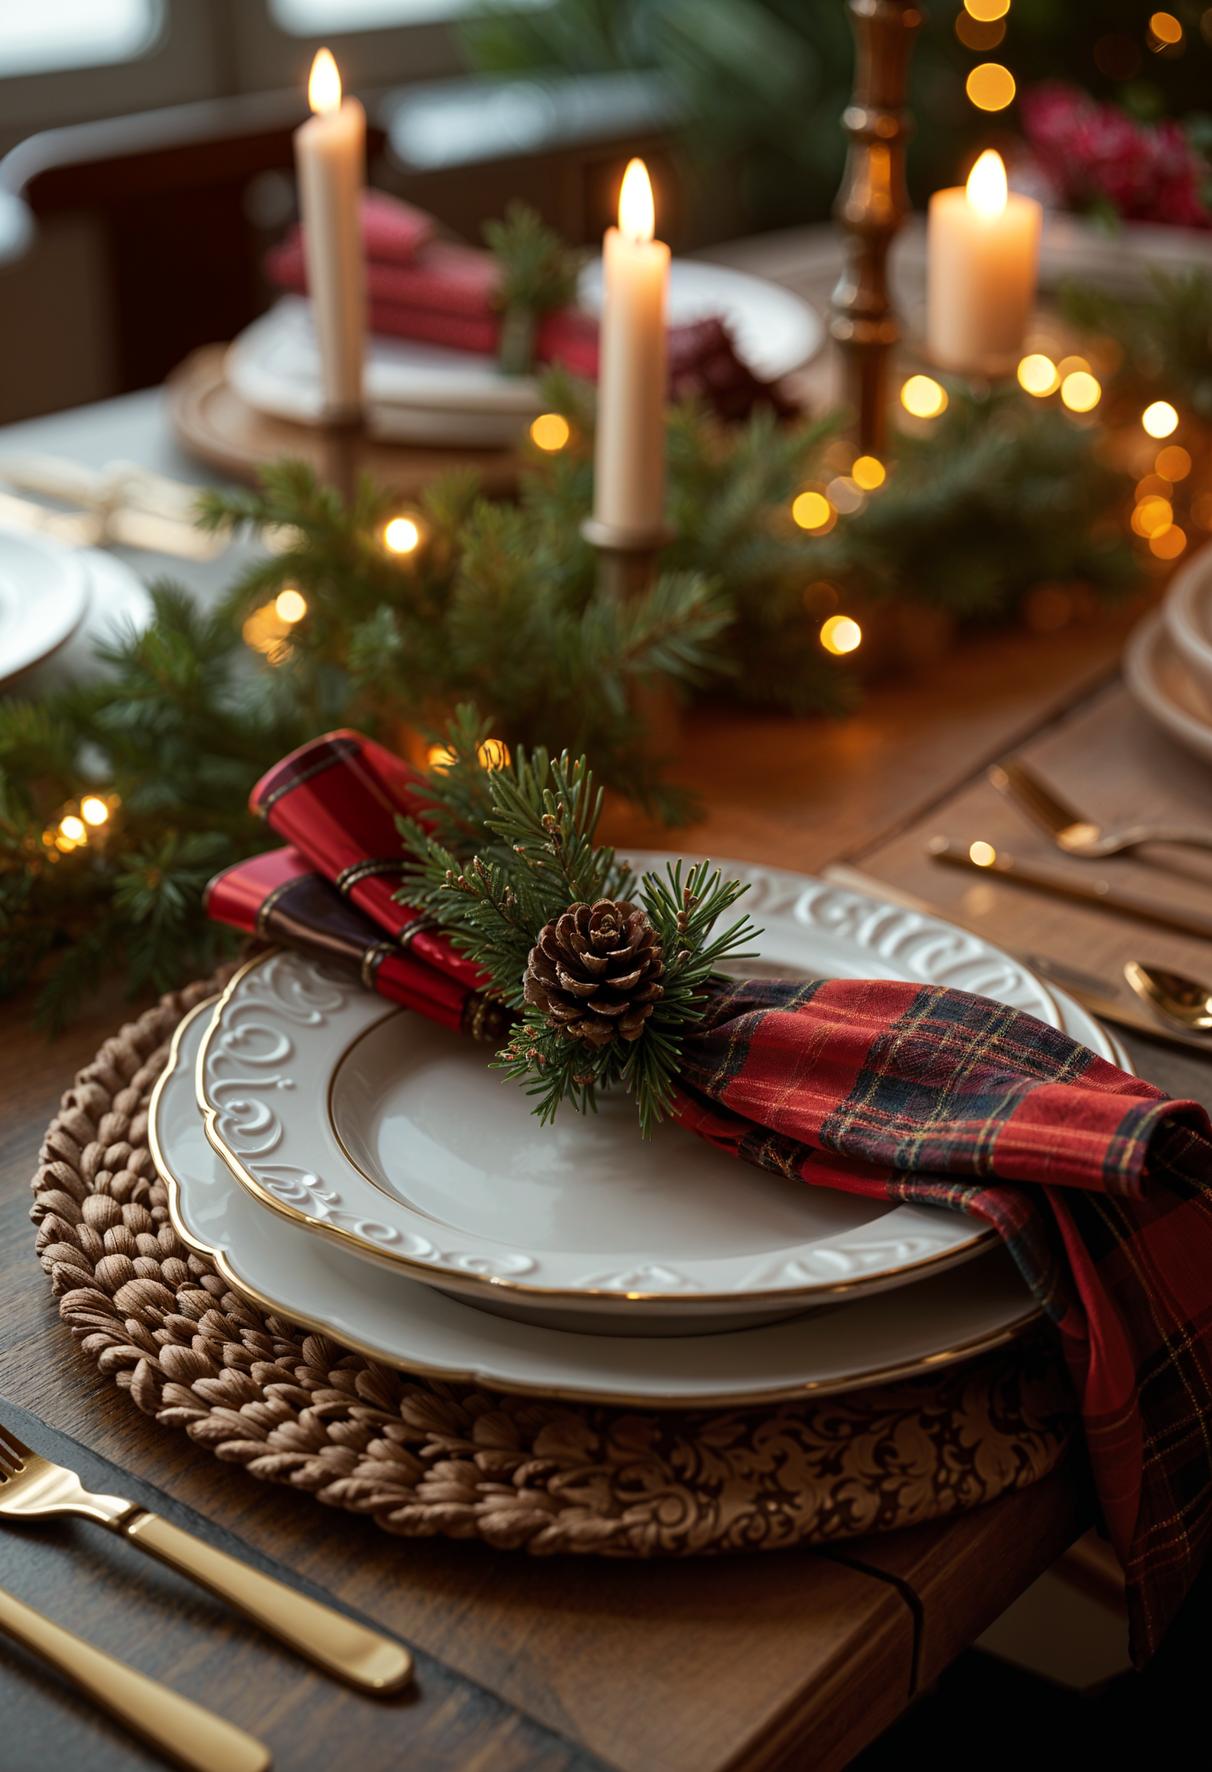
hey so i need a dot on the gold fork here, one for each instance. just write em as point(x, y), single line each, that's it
point(183, 1730)
point(1077, 835)
point(31, 1488)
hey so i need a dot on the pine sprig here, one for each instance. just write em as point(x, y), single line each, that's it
point(498, 854)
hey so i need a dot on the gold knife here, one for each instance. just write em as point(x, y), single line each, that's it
point(1092, 993)
point(186, 1732)
point(983, 858)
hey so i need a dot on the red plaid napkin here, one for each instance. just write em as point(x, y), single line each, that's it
point(441, 293)
point(1099, 1185)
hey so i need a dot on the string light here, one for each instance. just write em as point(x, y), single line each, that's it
point(550, 431)
point(290, 605)
point(990, 86)
point(267, 633)
point(868, 471)
point(1038, 375)
point(1173, 462)
point(981, 854)
point(811, 510)
point(493, 754)
point(402, 535)
point(923, 397)
point(1068, 365)
point(1168, 543)
point(1081, 391)
point(72, 828)
point(94, 810)
point(439, 756)
point(1152, 515)
point(841, 634)
point(985, 11)
point(1159, 419)
point(1165, 32)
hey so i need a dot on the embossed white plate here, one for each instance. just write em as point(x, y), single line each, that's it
point(393, 1137)
point(949, 1317)
point(43, 596)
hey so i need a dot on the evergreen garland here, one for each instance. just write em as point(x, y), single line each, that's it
point(500, 605)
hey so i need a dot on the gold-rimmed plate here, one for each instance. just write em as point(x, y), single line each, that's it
point(387, 1317)
point(389, 1137)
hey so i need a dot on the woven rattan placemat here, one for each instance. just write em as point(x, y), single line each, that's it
point(427, 1459)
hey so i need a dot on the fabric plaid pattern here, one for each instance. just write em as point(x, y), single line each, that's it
point(1098, 1184)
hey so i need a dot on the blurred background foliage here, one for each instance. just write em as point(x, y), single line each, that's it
point(759, 85)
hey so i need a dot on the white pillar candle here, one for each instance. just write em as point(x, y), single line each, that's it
point(629, 466)
point(330, 161)
point(983, 257)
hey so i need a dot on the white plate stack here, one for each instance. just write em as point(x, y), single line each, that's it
point(357, 1170)
point(1168, 661)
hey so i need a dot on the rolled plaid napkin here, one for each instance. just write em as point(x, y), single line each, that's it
point(441, 293)
point(1099, 1185)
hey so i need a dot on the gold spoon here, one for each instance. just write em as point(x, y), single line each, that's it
point(1172, 995)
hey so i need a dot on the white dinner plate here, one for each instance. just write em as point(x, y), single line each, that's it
point(393, 1137)
point(388, 1317)
point(44, 589)
point(1187, 613)
point(1161, 681)
point(420, 393)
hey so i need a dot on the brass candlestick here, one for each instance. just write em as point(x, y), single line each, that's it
point(871, 206)
point(342, 436)
point(626, 565)
point(626, 560)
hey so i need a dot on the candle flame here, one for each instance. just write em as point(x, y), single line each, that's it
point(637, 215)
point(324, 85)
point(987, 184)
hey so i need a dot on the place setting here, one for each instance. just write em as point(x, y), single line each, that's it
point(606, 958)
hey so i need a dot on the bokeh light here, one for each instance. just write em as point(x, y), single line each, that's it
point(982, 854)
point(1038, 375)
point(841, 634)
point(94, 810)
point(812, 511)
point(1152, 515)
point(290, 605)
point(1173, 462)
point(402, 535)
point(73, 829)
point(493, 754)
point(550, 431)
point(868, 471)
point(1081, 391)
point(1159, 419)
point(845, 495)
point(985, 11)
point(439, 756)
point(990, 86)
point(1165, 31)
point(923, 397)
point(1168, 543)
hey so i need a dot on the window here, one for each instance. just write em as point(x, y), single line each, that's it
point(309, 18)
point(74, 33)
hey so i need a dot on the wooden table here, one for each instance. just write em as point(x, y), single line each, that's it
point(794, 1659)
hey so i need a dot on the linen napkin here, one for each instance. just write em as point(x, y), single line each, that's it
point(441, 293)
point(1099, 1185)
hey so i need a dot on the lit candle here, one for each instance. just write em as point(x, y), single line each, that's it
point(330, 160)
point(982, 262)
point(629, 468)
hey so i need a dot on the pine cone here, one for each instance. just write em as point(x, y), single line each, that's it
point(595, 972)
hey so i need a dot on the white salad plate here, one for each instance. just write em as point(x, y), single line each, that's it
point(44, 591)
point(388, 1317)
point(420, 393)
point(395, 1140)
point(1162, 681)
